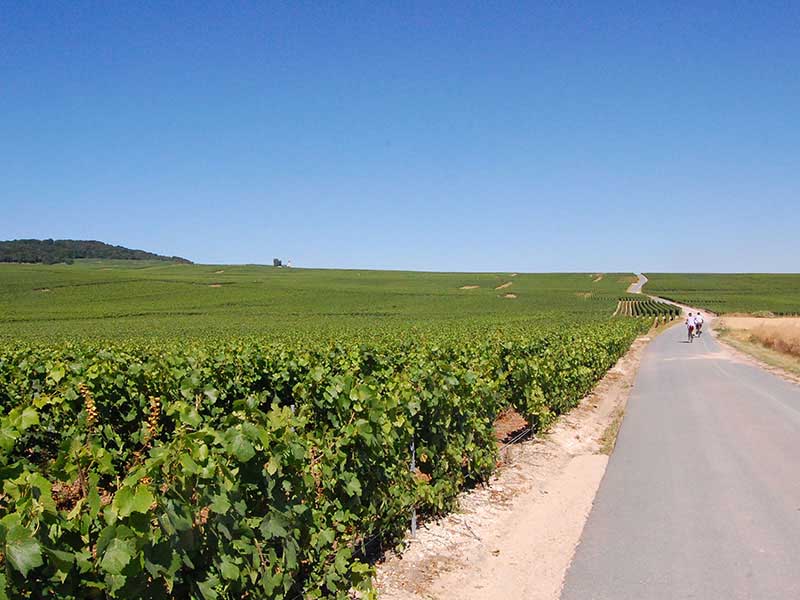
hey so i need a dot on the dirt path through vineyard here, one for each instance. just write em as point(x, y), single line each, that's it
point(516, 536)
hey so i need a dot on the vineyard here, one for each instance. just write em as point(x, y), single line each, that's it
point(638, 306)
point(229, 466)
point(730, 293)
point(114, 300)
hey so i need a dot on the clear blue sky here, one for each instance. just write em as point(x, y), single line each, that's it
point(531, 136)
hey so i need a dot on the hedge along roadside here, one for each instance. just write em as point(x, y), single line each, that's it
point(251, 469)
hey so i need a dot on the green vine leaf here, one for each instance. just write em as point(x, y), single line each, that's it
point(117, 555)
point(22, 550)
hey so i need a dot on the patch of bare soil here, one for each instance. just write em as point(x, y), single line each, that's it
point(469, 287)
point(218, 272)
point(215, 285)
point(505, 285)
point(598, 278)
point(513, 275)
point(508, 425)
point(509, 295)
point(515, 536)
point(43, 290)
point(584, 295)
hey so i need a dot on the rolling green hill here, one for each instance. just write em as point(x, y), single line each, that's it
point(66, 251)
point(120, 299)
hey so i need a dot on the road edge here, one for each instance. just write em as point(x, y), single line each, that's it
point(560, 471)
point(747, 357)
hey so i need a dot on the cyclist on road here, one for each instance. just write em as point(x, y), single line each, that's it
point(698, 324)
point(690, 326)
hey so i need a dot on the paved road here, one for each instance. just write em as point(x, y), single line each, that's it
point(636, 287)
point(701, 498)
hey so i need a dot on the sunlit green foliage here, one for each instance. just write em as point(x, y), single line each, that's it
point(637, 305)
point(165, 455)
point(127, 299)
point(727, 293)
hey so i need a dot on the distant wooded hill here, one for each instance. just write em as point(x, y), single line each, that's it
point(65, 251)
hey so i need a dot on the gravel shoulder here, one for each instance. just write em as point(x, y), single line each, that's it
point(517, 534)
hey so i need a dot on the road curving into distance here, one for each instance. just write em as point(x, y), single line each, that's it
point(701, 498)
point(636, 286)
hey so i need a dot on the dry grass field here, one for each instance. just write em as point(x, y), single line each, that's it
point(781, 334)
point(774, 341)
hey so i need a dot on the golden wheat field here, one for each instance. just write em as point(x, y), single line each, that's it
point(782, 334)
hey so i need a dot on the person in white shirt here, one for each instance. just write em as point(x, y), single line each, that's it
point(690, 326)
point(698, 324)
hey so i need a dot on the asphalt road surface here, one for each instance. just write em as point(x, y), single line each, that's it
point(636, 287)
point(701, 498)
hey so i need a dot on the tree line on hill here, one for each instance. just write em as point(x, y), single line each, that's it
point(65, 251)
